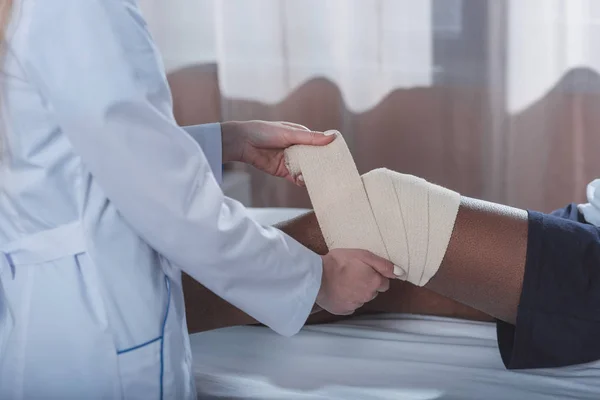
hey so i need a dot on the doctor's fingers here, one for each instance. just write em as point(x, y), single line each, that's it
point(378, 284)
point(367, 299)
point(384, 267)
point(375, 281)
point(347, 313)
point(310, 138)
point(294, 125)
point(384, 286)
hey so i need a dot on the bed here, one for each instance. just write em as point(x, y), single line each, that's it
point(392, 356)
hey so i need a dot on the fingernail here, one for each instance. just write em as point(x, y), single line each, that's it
point(330, 132)
point(301, 178)
point(399, 272)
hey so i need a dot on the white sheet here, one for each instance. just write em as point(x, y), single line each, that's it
point(386, 357)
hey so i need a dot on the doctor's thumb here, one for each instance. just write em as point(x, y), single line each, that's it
point(310, 138)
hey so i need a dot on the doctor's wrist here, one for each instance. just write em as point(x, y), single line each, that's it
point(232, 140)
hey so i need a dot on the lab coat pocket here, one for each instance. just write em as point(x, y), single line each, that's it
point(141, 371)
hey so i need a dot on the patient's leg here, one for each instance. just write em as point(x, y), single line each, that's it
point(484, 268)
point(485, 238)
point(207, 311)
point(481, 270)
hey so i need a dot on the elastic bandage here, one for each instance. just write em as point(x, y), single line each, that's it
point(399, 217)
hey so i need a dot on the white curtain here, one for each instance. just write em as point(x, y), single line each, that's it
point(267, 48)
point(547, 38)
point(497, 93)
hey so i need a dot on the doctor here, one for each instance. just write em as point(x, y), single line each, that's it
point(104, 200)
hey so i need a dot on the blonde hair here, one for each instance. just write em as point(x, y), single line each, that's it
point(6, 7)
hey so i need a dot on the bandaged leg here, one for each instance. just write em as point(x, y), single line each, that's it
point(402, 218)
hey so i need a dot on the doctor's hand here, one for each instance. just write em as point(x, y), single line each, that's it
point(352, 278)
point(262, 144)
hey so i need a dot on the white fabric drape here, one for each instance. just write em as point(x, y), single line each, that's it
point(483, 96)
point(547, 38)
point(265, 49)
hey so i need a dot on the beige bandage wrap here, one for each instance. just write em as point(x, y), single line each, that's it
point(402, 218)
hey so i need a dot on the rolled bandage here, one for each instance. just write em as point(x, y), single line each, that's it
point(402, 218)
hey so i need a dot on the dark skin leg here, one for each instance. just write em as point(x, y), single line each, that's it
point(485, 261)
point(480, 277)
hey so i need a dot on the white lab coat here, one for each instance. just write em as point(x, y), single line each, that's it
point(103, 201)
